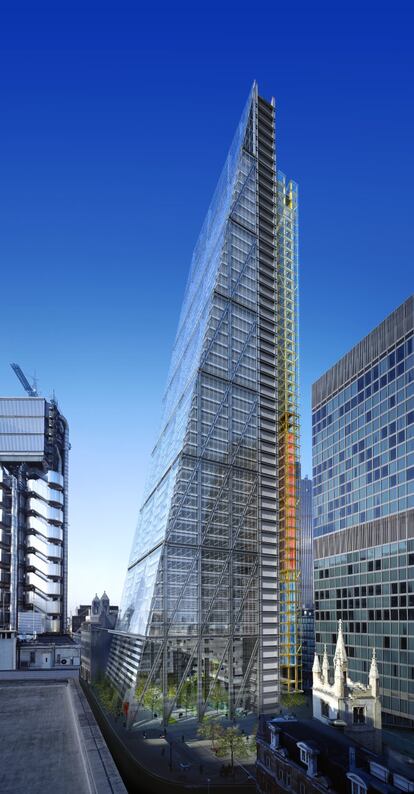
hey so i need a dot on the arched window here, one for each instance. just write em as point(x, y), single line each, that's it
point(358, 786)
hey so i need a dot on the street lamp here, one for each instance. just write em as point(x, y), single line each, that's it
point(208, 785)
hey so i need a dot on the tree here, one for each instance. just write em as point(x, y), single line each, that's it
point(218, 694)
point(210, 729)
point(108, 696)
point(188, 694)
point(293, 699)
point(232, 742)
point(152, 697)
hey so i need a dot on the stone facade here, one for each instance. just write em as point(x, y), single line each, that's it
point(337, 700)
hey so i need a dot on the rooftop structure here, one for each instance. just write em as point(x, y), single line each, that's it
point(49, 741)
point(308, 757)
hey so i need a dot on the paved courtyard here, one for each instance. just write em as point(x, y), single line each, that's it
point(181, 756)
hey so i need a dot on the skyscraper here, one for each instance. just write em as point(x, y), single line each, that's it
point(363, 508)
point(210, 602)
point(34, 444)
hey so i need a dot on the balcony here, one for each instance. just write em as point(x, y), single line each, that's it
point(40, 508)
point(45, 491)
point(55, 479)
point(40, 544)
point(43, 603)
point(49, 531)
point(46, 567)
point(46, 586)
point(39, 487)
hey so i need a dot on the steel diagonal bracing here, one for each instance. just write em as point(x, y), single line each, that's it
point(200, 635)
point(247, 674)
point(157, 659)
point(217, 415)
point(240, 195)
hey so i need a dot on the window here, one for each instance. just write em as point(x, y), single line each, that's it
point(32, 657)
point(304, 756)
point(358, 715)
point(325, 709)
point(358, 787)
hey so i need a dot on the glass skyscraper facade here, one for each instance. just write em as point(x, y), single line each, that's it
point(363, 508)
point(209, 612)
point(306, 542)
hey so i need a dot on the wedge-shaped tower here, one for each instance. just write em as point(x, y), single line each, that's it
point(209, 613)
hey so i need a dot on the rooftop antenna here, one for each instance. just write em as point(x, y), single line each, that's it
point(31, 390)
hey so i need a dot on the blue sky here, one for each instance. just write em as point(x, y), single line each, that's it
point(115, 123)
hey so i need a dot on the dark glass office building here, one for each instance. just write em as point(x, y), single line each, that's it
point(363, 508)
point(306, 542)
point(209, 613)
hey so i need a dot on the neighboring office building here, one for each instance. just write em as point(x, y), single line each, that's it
point(363, 508)
point(82, 612)
point(308, 645)
point(49, 651)
point(306, 542)
point(339, 750)
point(211, 593)
point(34, 448)
point(306, 570)
point(96, 638)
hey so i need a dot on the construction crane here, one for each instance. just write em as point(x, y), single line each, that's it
point(31, 390)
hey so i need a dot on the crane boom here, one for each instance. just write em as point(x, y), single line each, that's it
point(31, 390)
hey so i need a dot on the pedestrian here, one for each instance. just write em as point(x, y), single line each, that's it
point(182, 738)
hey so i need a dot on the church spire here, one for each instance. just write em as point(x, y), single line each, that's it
point(316, 672)
point(325, 666)
point(340, 652)
point(316, 664)
point(374, 675)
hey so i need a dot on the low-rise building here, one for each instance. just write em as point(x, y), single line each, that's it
point(339, 701)
point(96, 638)
point(307, 756)
point(48, 651)
point(7, 649)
